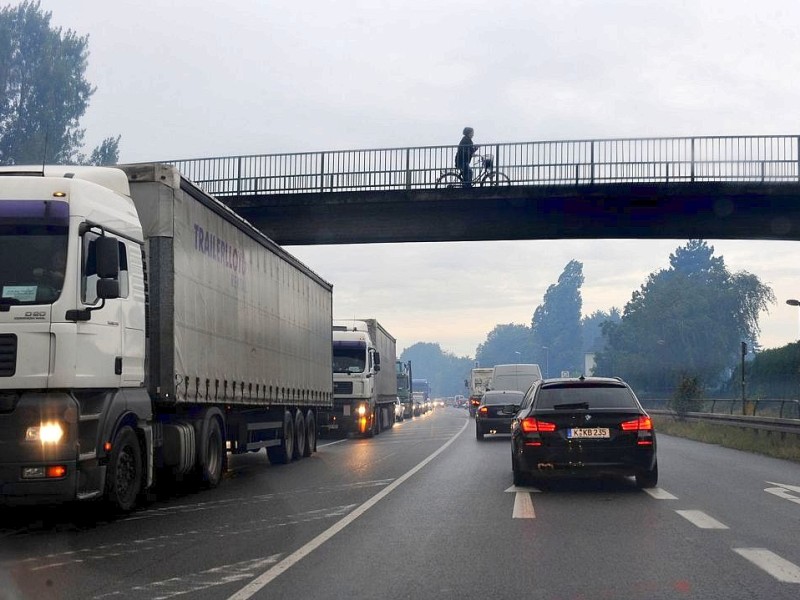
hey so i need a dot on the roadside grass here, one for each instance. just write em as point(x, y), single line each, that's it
point(776, 445)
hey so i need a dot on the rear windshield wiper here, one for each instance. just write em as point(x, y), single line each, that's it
point(574, 405)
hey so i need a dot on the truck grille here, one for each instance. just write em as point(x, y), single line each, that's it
point(342, 387)
point(8, 354)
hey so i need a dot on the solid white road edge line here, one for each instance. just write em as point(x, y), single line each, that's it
point(780, 568)
point(265, 578)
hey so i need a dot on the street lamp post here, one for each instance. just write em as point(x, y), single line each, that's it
point(546, 361)
point(793, 302)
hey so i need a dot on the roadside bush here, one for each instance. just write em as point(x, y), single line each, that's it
point(688, 396)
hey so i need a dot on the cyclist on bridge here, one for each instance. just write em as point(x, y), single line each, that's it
point(466, 149)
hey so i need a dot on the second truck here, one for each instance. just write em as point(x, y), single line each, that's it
point(364, 378)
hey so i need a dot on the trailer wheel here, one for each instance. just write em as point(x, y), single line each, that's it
point(299, 435)
point(282, 454)
point(212, 453)
point(390, 418)
point(124, 473)
point(376, 421)
point(311, 434)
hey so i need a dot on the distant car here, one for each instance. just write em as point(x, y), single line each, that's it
point(473, 404)
point(496, 411)
point(584, 426)
point(399, 410)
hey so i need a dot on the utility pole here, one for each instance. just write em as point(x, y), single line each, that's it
point(744, 353)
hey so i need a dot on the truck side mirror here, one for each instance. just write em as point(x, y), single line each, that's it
point(107, 258)
point(107, 289)
point(377, 358)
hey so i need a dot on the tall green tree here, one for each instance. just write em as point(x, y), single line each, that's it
point(506, 344)
point(685, 321)
point(557, 338)
point(592, 327)
point(45, 91)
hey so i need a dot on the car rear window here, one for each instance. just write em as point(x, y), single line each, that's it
point(503, 398)
point(595, 396)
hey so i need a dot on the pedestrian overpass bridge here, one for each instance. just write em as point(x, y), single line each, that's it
point(745, 187)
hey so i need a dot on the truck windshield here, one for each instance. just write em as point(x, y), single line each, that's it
point(34, 235)
point(349, 357)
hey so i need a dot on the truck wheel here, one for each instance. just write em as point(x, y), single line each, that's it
point(389, 417)
point(299, 435)
point(311, 434)
point(212, 453)
point(124, 473)
point(376, 423)
point(282, 454)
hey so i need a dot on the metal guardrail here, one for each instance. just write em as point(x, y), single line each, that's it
point(762, 159)
point(770, 424)
point(793, 410)
point(780, 408)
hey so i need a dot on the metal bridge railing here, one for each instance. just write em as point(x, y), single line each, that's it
point(581, 162)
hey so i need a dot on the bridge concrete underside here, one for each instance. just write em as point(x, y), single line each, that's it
point(710, 210)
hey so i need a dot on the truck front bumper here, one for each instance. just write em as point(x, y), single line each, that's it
point(346, 418)
point(31, 470)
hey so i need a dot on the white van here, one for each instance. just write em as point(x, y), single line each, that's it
point(515, 377)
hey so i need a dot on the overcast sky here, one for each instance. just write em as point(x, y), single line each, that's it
point(201, 78)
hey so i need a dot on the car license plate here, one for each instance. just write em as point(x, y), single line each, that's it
point(588, 432)
point(346, 410)
point(333, 426)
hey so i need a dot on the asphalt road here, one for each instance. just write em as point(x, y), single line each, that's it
point(426, 511)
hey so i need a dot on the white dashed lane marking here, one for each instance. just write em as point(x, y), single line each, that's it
point(660, 494)
point(701, 519)
point(780, 568)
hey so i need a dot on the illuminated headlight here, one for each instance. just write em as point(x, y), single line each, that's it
point(46, 433)
point(361, 410)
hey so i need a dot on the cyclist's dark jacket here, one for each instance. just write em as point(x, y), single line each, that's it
point(464, 153)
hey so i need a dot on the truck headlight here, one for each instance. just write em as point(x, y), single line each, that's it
point(46, 433)
point(362, 410)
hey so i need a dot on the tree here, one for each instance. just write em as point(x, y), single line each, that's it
point(685, 322)
point(556, 325)
point(592, 326)
point(505, 344)
point(45, 91)
point(445, 371)
point(773, 374)
point(107, 153)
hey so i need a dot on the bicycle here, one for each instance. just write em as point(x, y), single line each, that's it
point(487, 175)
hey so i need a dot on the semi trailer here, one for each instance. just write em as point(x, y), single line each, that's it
point(146, 331)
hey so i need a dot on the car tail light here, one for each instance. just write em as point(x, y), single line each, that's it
point(640, 424)
point(483, 410)
point(531, 425)
point(475, 402)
